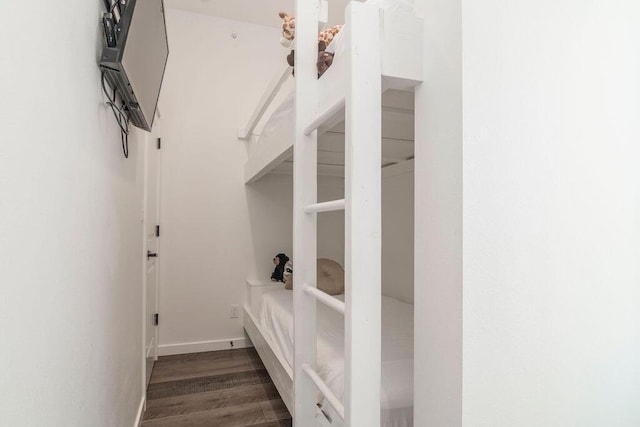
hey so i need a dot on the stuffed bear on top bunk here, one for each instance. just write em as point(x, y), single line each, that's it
point(325, 37)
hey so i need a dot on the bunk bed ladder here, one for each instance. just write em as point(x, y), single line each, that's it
point(304, 224)
point(362, 205)
point(363, 224)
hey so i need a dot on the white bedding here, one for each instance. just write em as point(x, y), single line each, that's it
point(396, 400)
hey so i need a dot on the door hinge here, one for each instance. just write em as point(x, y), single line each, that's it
point(155, 319)
point(157, 231)
point(159, 140)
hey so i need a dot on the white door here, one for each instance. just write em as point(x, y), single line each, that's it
point(152, 233)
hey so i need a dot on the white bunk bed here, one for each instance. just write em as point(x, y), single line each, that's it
point(271, 150)
point(269, 324)
point(381, 52)
point(401, 69)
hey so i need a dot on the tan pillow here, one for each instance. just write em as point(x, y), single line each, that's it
point(330, 276)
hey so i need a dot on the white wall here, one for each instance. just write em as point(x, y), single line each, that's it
point(217, 232)
point(70, 234)
point(552, 213)
point(551, 233)
point(397, 231)
point(256, 12)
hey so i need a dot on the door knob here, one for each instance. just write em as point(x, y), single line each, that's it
point(151, 255)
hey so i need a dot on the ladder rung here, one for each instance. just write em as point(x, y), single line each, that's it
point(326, 392)
point(334, 205)
point(324, 116)
point(325, 298)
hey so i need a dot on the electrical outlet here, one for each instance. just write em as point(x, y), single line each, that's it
point(234, 312)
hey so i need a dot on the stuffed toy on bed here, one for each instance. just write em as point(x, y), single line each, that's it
point(325, 37)
point(280, 261)
point(288, 275)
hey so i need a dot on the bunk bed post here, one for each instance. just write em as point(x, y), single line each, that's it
point(304, 224)
point(363, 229)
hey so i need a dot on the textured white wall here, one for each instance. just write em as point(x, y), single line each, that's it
point(552, 213)
point(217, 232)
point(70, 230)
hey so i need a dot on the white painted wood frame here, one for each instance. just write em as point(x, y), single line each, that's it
point(363, 201)
point(304, 224)
point(278, 369)
point(366, 63)
point(400, 48)
point(363, 225)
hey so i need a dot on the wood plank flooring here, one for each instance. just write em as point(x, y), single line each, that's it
point(229, 388)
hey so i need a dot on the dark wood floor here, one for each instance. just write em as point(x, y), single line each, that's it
point(229, 388)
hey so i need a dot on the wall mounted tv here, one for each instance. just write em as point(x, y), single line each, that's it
point(135, 65)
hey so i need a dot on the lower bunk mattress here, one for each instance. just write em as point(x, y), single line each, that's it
point(396, 399)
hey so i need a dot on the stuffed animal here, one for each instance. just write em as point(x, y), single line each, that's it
point(288, 275)
point(325, 37)
point(289, 31)
point(325, 59)
point(280, 261)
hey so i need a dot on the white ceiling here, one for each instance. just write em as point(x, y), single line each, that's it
point(262, 12)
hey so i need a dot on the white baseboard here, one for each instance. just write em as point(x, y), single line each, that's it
point(200, 346)
point(143, 400)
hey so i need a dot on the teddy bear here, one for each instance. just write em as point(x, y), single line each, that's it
point(325, 37)
point(280, 261)
point(325, 59)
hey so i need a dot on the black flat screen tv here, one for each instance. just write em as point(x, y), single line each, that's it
point(135, 66)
